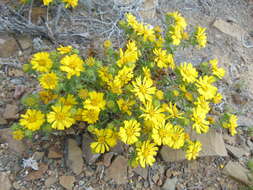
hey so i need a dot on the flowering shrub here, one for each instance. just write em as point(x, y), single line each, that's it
point(138, 95)
point(68, 3)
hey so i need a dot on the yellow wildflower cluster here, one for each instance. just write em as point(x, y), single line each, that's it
point(68, 3)
point(138, 94)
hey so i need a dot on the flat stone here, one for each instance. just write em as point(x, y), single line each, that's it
point(54, 153)
point(10, 111)
point(25, 42)
point(67, 182)
point(229, 139)
point(8, 46)
point(50, 181)
point(237, 152)
point(212, 145)
point(3, 121)
point(118, 170)
point(245, 121)
point(75, 160)
point(5, 183)
point(38, 155)
point(236, 171)
point(15, 145)
point(170, 184)
point(229, 28)
point(143, 172)
point(88, 155)
point(107, 159)
point(38, 173)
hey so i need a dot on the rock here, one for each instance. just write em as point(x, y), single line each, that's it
point(107, 159)
point(229, 139)
point(229, 28)
point(212, 145)
point(89, 157)
point(10, 111)
point(245, 121)
point(67, 182)
point(143, 172)
point(38, 155)
point(54, 153)
point(15, 145)
point(239, 99)
point(118, 170)
point(170, 184)
point(3, 121)
point(148, 9)
point(25, 42)
point(236, 171)
point(19, 91)
point(118, 149)
point(5, 183)
point(37, 174)
point(236, 152)
point(50, 181)
point(75, 160)
point(8, 46)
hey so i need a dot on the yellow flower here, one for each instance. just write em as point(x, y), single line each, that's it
point(64, 49)
point(179, 20)
point(203, 104)
point(90, 115)
point(146, 153)
point(157, 29)
point(107, 44)
point(78, 114)
point(48, 80)
point(205, 87)
point(115, 86)
point(159, 42)
point(162, 59)
point(105, 140)
point(161, 133)
point(152, 113)
point(60, 118)
point(145, 31)
point(32, 119)
point(95, 101)
point(131, 54)
point(143, 89)
point(125, 75)
point(18, 135)
point(219, 72)
point(173, 111)
point(83, 93)
point(231, 124)
point(189, 96)
point(159, 94)
point(47, 96)
point(90, 61)
point(176, 35)
point(200, 124)
point(104, 74)
point(125, 105)
point(46, 2)
point(70, 100)
point(177, 136)
point(72, 64)
point(131, 20)
point(72, 3)
point(175, 93)
point(146, 72)
point(188, 72)
point(217, 98)
point(41, 62)
point(201, 36)
point(193, 150)
point(130, 132)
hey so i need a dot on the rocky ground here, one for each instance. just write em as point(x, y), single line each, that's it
point(65, 162)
